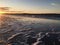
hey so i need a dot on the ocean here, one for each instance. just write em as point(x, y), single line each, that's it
point(12, 25)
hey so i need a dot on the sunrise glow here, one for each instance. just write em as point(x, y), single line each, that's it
point(31, 6)
point(1, 13)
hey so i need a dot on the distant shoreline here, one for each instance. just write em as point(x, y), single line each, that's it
point(46, 16)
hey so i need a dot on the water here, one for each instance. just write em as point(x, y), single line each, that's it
point(11, 25)
point(29, 22)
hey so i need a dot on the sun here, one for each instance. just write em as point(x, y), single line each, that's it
point(1, 12)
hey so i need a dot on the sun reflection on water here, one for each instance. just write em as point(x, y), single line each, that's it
point(2, 20)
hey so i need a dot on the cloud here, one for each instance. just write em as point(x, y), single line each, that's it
point(53, 4)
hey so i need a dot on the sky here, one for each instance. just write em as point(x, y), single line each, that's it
point(32, 6)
